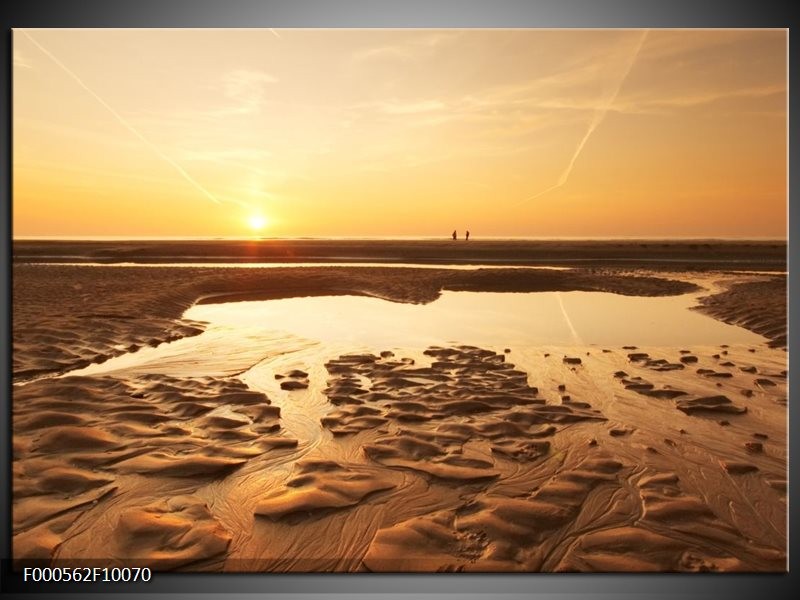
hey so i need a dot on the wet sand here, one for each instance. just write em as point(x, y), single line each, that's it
point(676, 254)
point(558, 458)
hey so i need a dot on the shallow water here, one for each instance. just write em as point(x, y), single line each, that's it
point(260, 342)
point(240, 335)
point(484, 318)
point(303, 265)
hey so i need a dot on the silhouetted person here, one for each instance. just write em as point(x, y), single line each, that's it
point(467, 234)
point(455, 237)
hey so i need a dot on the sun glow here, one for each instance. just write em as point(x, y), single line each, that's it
point(257, 222)
point(400, 132)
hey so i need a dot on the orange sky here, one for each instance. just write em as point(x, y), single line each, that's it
point(399, 132)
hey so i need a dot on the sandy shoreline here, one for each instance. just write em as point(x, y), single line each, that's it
point(103, 312)
point(456, 458)
point(678, 255)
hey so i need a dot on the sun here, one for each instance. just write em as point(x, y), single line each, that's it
point(257, 222)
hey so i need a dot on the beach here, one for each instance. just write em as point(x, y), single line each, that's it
point(153, 426)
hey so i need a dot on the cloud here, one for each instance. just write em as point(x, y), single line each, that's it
point(416, 47)
point(239, 158)
point(126, 123)
point(569, 96)
point(605, 105)
point(661, 104)
point(409, 108)
point(674, 46)
point(699, 99)
point(231, 154)
point(20, 60)
point(245, 88)
point(576, 85)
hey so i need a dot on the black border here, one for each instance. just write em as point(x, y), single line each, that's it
point(385, 13)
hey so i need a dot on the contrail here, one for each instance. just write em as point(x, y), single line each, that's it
point(124, 122)
point(599, 114)
point(575, 335)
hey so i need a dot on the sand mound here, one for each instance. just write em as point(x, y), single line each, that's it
point(79, 440)
point(175, 533)
point(759, 306)
point(491, 533)
point(453, 460)
point(161, 463)
point(320, 485)
point(68, 317)
point(461, 382)
point(710, 405)
point(70, 439)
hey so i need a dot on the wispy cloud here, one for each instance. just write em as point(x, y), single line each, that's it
point(410, 108)
point(571, 96)
point(416, 47)
point(661, 102)
point(599, 115)
point(675, 46)
point(239, 158)
point(246, 89)
point(575, 85)
point(20, 60)
point(230, 154)
point(125, 123)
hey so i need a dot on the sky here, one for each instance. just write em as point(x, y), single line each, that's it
point(293, 132)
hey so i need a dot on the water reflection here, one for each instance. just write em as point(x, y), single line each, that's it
point(500, 264)
point(484, 318)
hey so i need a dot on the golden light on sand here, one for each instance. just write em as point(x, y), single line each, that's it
point(257, 222)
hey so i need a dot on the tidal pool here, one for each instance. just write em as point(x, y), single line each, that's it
point(484, 318)
point(240, 335)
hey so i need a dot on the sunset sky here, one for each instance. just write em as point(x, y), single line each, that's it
point(535, 133)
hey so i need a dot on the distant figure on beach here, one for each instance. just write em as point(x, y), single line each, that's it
point(467, 234)
point(455, 237)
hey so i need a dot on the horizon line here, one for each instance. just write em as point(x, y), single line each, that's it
point(133, 238)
